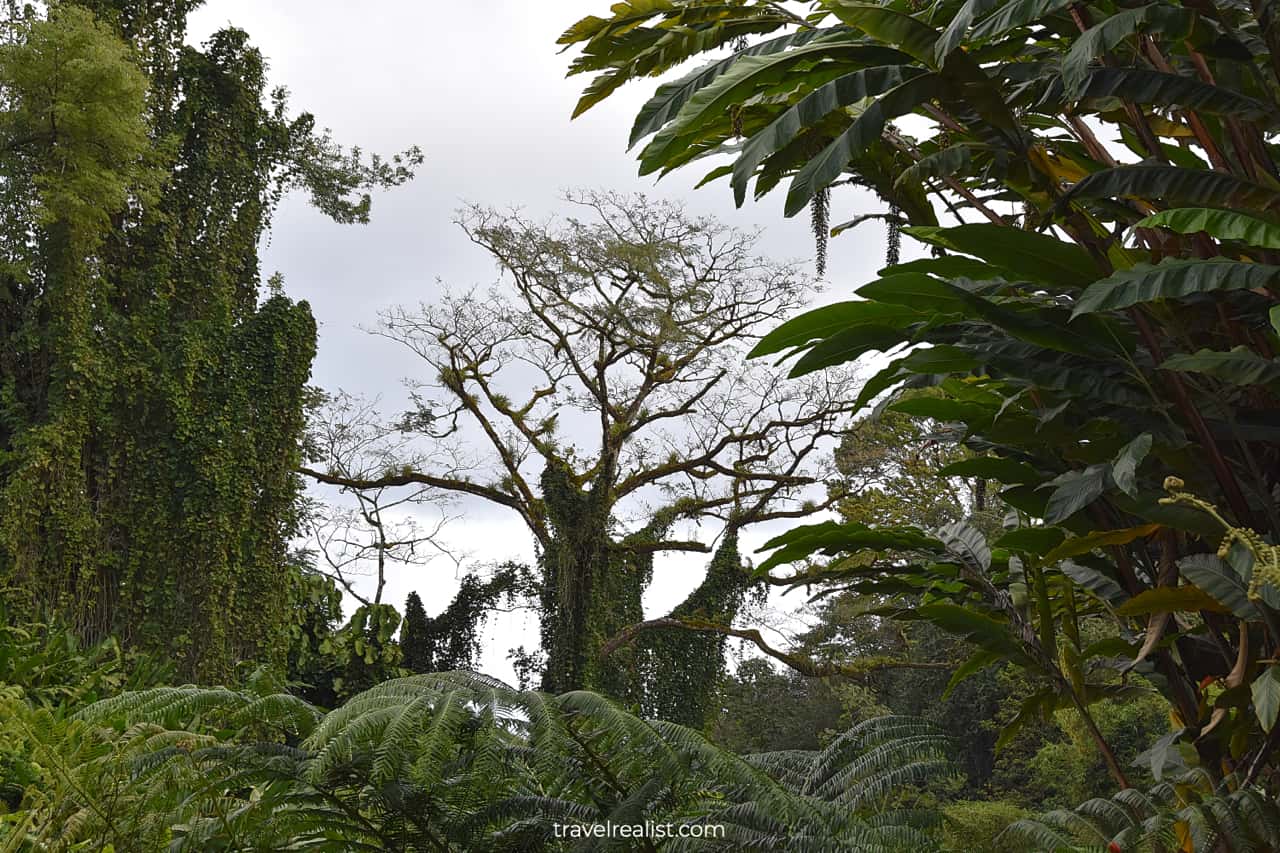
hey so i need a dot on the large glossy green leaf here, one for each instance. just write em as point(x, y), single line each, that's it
point(916, 289)
point(1124, 468)
point(812, 108)
point(890, 27)
point(1157, 88)
point(949, 266)
point(977, 662)
point(830, 538)
point(939, 359)
point(945, 409)
point(1222, 224)
point(1265, 691)
point(847, 345)
point(1035, 256)
point(1006, 471)
point(1108, 33)
point(1098, 539)
point(1074, 491)
point(829, 320)
point(1095, 582)
point(1174, 185)
point(670, 97)
point(820, 171)
point(1219, 580)
point(1042, 327)
point(1034, 541)
point(1043, 368)
point(955, 32)
point(983, 631)
point(1173, 279)
point(1238, 366)
point(1013, 14)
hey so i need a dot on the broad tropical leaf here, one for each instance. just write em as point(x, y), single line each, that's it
point(1037, 257)
point(1173, 279)
point(1238, 366)
point(1222, 224)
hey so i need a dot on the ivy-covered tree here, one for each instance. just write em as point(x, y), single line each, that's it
point(605, 378)
point(450, 641)
point(151, 392)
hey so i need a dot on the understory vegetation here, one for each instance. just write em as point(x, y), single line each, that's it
point(1027, 478)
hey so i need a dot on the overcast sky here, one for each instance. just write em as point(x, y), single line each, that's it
point(481, 88)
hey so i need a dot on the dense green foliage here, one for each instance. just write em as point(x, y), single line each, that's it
point(150, 396)
point(1119, 326)
point(1046, 616)
point(450, 761)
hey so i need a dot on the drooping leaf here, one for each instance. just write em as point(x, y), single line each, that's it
point(1162, 754)
point(1099, 539)
point(811, 109)
point(830, 538)
point(819, 172)
point(1032, 540)
point(1037, 706)
point(977, 662)
point(967, 542)
point(742, 80)
point(1216, 578)
point(1075, 490)
point(916, 289)
point(938, 359)
point(1170, 599)
point(1013, 14)
point(1221, 224)
point(1035, 256)
point(829, 320)
point(954, 34)
point(1006, 471)
point(985, 632)
point(670, 97)
point(1265, 690)
point(940, 164)
point(945, 409)
point(847, 345)
point(1173, 279)
point(1238, 366)
point(1124, 468)
point(1157, 88)
point(1114, 29)
point(1095, 582)
point(890, 26)
point(1175, 185)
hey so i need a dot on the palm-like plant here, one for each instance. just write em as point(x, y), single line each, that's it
point(450, 761)
point(1189, 812)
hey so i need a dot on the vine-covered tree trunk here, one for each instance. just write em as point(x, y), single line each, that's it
point(151, 403)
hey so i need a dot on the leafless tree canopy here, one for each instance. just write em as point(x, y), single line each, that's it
point(615, 345)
